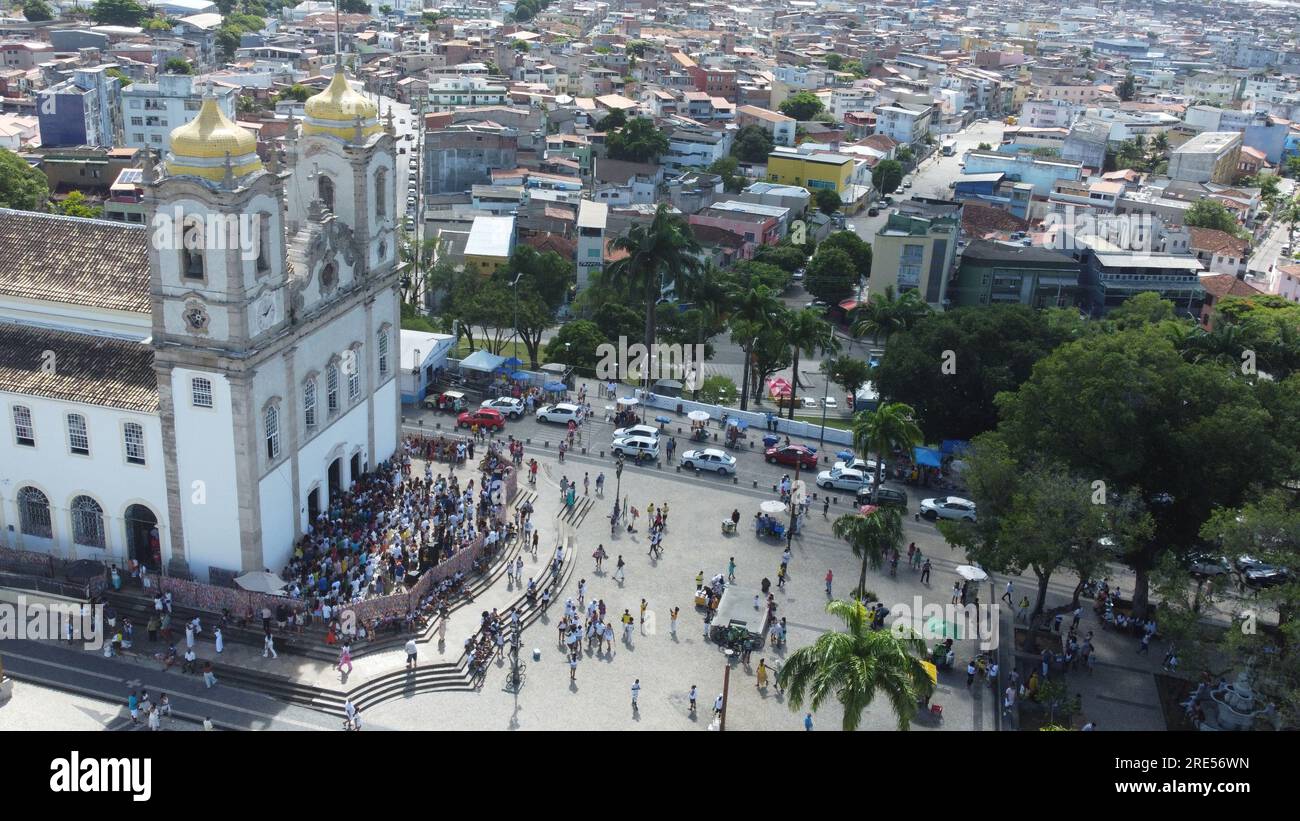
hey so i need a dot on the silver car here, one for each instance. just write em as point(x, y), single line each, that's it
point(713, 459)
point(948, 507)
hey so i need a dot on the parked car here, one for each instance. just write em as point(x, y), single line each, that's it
point(562, 412)
point(948, 507)
point(867, 466)
point(634, 445)
point(873, 211)
point(843, 479)
point(830, 402)
point(713, 459)
point(1204, 565)
point(797, 276)
point(886, 497)
point(807, 402)
point(508, 406)
point(817, 304)
point(907, 183)
point(790, 455)
point(484, 417)
point(638, 430)
point(1265, 575)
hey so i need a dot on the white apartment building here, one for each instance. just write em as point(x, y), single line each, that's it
point(151, 111)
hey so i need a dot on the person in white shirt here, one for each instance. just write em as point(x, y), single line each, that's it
point(410, 653)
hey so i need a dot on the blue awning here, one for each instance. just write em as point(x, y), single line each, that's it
point(482, 361)
point(929, 457)
point(954, 447)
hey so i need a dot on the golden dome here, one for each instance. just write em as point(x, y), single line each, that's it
point(336, 109)
point(199, 147)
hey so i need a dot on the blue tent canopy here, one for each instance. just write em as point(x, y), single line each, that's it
point(954, 447)
point(521, 376)
point(513, 362)
point(555, 386)
point(929, 457)
point(482, 361)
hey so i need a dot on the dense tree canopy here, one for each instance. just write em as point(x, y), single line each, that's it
point(831, 275)
point(752, 144)
point(638, 141)
point(1211, 214)
point(802, 106)
point(22, 187)
point(887, 176)
point(118, 12)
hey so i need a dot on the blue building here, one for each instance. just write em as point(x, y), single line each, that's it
point(994, 189)
point(85, 109)
point(1040, 172)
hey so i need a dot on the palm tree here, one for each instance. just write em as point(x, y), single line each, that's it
point(751, 315)
point(855, 666)
point(807, 332)
point(705, 292)
point(870, 536)
point(891, 425)
point(885, 314)
point(660, 253)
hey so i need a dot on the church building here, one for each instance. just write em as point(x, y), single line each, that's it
point(189, 392)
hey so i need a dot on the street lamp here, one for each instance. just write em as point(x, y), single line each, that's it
point(514, 287)
point(726, 688)
point(618, 483)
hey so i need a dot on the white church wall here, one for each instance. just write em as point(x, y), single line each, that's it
point(98, 321)
point(276, 496)
point(339, 441)
point(61, 475)
point(385, 421)
point(205, 453)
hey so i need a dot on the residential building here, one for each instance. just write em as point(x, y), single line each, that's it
point(151, 111)
point(991, 273)
point(1218, 286)
point(82, 110)
point(832, 172)
point(460, 156)
point(908, 123)
point(490, 244)
point(1209, 157)
point(1109, 278)
point(781, 127)
point(1042, 173)
point(1219, 251)
point(592, 217)
point(914, 253)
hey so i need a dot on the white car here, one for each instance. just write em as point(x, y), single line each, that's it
point(867, 466)
point(843, 479)
point(632, 446)
point(807, 402)
point(648, 431)
point(709, 459)
point(948, 507)
point(562, 412)
point(509, 407)
point(829, 402)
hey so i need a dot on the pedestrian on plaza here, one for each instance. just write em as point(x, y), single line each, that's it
point(190, 658)
point(133, 707)
point(829, 577)
point(1078, 614)
point(189, 635)
point(717, 705)
point(586, 484)
point(643, 608)
point(636, 692)
point(345, 658)
point(218, 640)
point(268, 647)
point(582, 592)
point(155, 720)
point(760, 675)
point(970, 673)
point(411, 650)
point(209, 679)
point(672, 621)
point(573, 667)
point(925, 572)
point(1006, 594)
point(808, 722)
point(692, 695)
point(780, 577)
point(628, 621)
point(956, 592)
point(826, 507)
point(609, 638)
point(1023, 613)
point(1145, 645)
point(618, 570)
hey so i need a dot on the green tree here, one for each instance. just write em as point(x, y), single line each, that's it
point(297, 92)
point(37, 11)
point(659, 255)
point(858, 249)
point(539, 284)
point(802, 106)
point(727, 168)
point(871, 536)
point(122, 80)
point(995, 349)
point(1212, 214)
point(118, 12)
point(831, 275)
point(855, 666)
point(904, 154)
point(752, 313)
point(1292, 167)
point(158, 24)
point(984, 147)
point(176, 65)
point(891, 426)
point(828, 202)
point(639, 141)
point(614, 319)
point(885, 314)
point(576, 344)
point(788, 258)
point(848, 372)
point(887, 176)
point(354, 7)
point(771, 353)
point(22, 187)
point(834, 62)
point(752, 144)
point(75, 205)
point(807, 332)
point(1127, 87)
point(748, 274)
point(613, 120)
point(718, 390)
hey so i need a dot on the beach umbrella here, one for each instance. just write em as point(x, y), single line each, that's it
point(771, 439)
point(844, 454)
point(629, 401)
point(772, 507)
point(698, 416)
point(663, 420)
point(513, 362)
point(521, 376)
point(260, 581)
point(555, 387)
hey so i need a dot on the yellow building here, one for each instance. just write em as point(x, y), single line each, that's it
point(811, 171)
point(491, 241)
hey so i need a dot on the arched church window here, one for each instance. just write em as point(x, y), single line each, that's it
point(192, 249)
point(271, 420)
point(381, 192)
point(87, 522)
point(329, 277)
point(34, 513)
point(325, 191)
point(263, 243)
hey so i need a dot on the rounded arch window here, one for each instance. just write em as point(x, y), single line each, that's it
point(329, 277)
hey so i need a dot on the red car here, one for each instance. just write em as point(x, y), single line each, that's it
point(788, 454)
point(485, 417)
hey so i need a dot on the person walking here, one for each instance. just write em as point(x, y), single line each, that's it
point(826, 507)
point(268, 647)
point(1078, 614)
point(218, 640)
point(209, 678)
point(925, 572)
point(1144, 646)
point(717, 705)
point(133, 707)
point(956, 592)
point(636, 692)
point(345, 658)
point(411, 650)
point(808, 722)
point(829, 577)
point(760, 675)
point(643, 608)
point(618, 569)
point(1006, 594)
point(692, 695)
point(628, 621)
point(970, 673)
point(780, 577)
point(672, 621)
point(573, 667)
point(731, 569)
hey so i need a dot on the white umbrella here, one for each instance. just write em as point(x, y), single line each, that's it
point(698, 416)
point(629, 401)
point(971, 573)
point(772, 507)
point(260, 581)
point(799, 492)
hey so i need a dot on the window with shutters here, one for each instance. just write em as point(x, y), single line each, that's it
point(133, 439)
point(23, 430)
point(201, 392)
point(78, 438)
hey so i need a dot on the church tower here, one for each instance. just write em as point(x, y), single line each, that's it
point(276, 320)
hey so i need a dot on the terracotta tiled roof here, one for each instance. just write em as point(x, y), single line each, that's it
point(93, 370)
point(566, 248)
point(95, 263)
point(1221, 285)
point(1219, 242)
point(981, 221)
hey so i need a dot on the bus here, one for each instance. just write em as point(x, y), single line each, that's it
point(949, 146)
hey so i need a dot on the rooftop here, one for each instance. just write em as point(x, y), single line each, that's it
point(490, 237)
point(93, 370)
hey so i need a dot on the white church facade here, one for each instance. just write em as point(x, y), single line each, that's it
point(190, 392)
